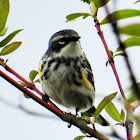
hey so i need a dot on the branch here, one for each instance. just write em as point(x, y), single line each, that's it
point(67, 117)
point(129, 124)
point(111, 61)
point(126, 58)
point(49, 105)
point(136, 105)
point(30, 85)
point(129, 119)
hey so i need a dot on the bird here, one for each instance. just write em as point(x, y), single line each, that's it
point(66, 75)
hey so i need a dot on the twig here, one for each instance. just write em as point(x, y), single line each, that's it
point(49, 105)
point(122, 46)
point(30, 85)
point(136, 105)
point(129, 124)
point(111, 61)
point(129, 119)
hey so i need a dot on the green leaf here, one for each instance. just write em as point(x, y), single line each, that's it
point(137, 137)
point(3, 32)
point(9, 38)
point(86, 118)
point(23, 84)
point(26, 96)
point(130, 42)
point(4, 11)
point(74, 16)
point(111, 52)
point(79, 138)
point(37, 81)
point(107, 62)
point(10, 48)
point(100, 3)
point(133, 97)
point(132, 29)
point(113, 112)
point(119, 54)
point(83, 131)
point(2, 63)
point(33, 75)
point(120, 14)
point(103, 104)
point(122, 115)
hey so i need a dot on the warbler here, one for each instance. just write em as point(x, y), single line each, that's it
point(66, 75)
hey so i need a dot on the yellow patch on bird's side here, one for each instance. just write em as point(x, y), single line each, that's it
point(40, 69)
point(85, 81)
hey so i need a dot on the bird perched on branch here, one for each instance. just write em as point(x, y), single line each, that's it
point(66, 75)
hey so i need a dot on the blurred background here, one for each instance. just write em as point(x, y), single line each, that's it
point(40, 19)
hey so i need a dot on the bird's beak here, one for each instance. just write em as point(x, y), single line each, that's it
point(75, 38)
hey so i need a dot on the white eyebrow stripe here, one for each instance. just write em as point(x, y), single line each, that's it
point(56, 38)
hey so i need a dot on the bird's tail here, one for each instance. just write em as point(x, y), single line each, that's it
point(101, 120)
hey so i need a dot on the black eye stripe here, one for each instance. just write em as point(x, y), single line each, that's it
point(61, 39)
point(56, 46)
point(60, 42)
point(64, 39)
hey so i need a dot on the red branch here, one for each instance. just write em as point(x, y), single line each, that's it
point(136, 105)
point(49, 105)
point(111, 61)
point(129, 119)
point(30, 85)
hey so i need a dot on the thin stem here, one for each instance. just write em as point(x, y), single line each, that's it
point(126, 58)
point(129, 119)
point(48, 105)
point(30, 85)
point(129, 124)
point(111, 61)
point(136, 105)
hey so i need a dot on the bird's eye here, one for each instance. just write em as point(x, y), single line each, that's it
point(61, 41)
